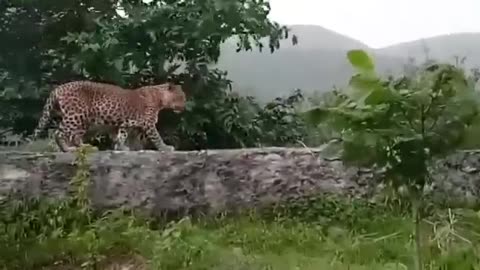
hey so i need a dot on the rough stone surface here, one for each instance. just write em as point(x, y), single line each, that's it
point(212, 181)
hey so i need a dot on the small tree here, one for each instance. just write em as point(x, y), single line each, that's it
point(402, 125)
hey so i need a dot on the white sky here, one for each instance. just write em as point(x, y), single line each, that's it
point(381, 23)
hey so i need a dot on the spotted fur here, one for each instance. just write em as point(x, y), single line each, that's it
point(82, 105)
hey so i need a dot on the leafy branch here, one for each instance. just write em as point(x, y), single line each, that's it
point(402, 125)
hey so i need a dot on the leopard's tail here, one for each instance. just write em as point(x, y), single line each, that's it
point(46, 115)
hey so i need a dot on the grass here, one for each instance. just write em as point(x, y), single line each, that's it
point(55, 235)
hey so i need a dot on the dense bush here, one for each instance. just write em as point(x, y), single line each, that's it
point(219, 118)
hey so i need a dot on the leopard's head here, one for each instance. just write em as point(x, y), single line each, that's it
point(165, 96)
point(174, 98)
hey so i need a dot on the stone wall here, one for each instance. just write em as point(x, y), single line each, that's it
point(213, 181)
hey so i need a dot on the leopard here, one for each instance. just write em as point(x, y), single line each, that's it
point(78, 106)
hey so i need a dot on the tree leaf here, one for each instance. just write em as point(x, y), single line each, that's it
point(361, 61)
point(377, 96)
point(422, 97)
point(118, 64)
point(361, 86)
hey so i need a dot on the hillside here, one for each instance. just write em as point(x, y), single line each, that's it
point(444, 47)
point(318, 61)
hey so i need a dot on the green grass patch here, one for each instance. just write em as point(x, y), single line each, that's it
point(45, 235)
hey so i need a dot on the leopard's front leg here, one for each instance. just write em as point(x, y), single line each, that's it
point(121, 138)
point(152, 134)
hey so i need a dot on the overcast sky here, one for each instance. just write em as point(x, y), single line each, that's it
point(380, 23)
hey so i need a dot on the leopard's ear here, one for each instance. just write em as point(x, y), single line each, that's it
point(169, 83)
point(171, 86)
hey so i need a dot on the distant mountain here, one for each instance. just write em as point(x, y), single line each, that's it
point(444, 48)
point(318, 61)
